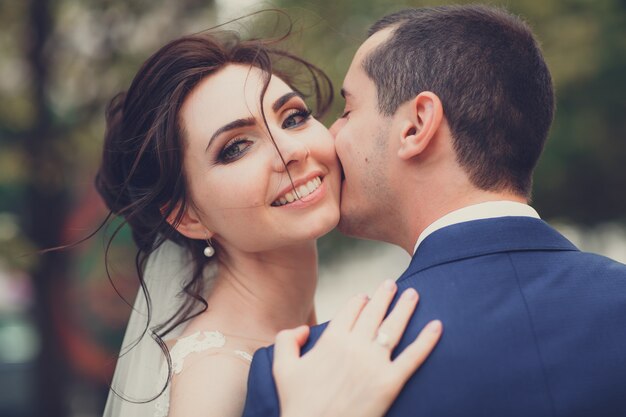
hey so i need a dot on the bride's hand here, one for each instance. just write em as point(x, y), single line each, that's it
point(349, 371)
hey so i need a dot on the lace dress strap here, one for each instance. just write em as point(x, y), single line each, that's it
point(244, 355)
point(194, 343)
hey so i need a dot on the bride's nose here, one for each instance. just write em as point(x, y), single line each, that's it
point(289, 150)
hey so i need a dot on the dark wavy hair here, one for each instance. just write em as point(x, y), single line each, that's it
point(487, 68)
point(141, 177)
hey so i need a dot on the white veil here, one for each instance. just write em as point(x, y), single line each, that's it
point(138, 374)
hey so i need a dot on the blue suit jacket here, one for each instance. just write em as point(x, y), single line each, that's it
point(532, 327)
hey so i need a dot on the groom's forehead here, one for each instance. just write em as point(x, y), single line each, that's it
point(356, 76)
point(371, 44)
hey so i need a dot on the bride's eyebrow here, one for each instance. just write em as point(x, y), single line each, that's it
point(235, 124)
point(250, 121)
point(280, 102)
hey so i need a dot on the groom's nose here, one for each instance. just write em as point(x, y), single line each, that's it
point(336, 127)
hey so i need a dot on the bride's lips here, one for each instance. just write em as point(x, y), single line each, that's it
point(310, 199)
point(308, 190)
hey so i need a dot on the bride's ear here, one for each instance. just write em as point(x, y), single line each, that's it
point(422, 121)
point(188, 223)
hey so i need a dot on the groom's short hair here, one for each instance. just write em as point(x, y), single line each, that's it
point(487, 69)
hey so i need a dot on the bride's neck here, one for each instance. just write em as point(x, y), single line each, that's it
point(265, 292)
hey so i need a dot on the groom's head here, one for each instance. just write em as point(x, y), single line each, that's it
point(457, 91)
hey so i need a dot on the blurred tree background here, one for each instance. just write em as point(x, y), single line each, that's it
point(62, 60)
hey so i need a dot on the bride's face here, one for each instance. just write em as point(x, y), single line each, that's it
point(240, 189)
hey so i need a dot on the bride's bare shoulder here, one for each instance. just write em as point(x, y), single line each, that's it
point(210, 381)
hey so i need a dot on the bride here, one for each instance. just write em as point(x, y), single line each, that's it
point(214, 160)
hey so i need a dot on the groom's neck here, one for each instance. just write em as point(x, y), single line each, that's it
point(428, 210)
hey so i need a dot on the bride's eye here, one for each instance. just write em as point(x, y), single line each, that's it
point(295, 118)
point(234, 150)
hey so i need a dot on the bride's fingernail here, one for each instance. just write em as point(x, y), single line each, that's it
point(434, 326)
point(410, 293)
point(389, 285)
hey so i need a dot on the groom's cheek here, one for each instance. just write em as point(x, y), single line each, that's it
point(336, 127)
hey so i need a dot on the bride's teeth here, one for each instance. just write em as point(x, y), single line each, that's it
point(300, 192)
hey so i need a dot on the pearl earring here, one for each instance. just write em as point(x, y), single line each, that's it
point(209, 251)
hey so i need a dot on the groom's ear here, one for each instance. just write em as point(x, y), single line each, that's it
point(185, 219)
point(423, 119)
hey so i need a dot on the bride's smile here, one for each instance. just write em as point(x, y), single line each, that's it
point(302, 191)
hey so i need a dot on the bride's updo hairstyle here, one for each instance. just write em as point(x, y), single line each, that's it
point(141, 178)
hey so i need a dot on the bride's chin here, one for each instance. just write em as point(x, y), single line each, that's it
point(326, 224)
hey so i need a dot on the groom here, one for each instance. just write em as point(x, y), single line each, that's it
point(447, 111)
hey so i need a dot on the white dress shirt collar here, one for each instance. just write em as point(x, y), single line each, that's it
point(488, 210)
